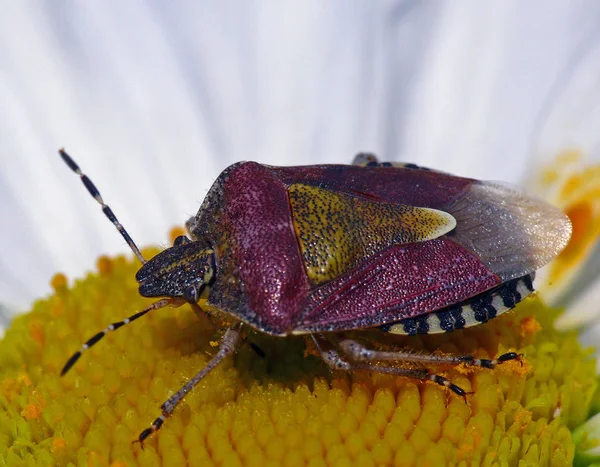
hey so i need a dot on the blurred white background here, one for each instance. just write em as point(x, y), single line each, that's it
point(155, 99)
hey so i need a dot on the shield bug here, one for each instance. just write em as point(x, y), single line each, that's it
point(325, 249)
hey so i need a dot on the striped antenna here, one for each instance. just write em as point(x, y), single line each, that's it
point(105, 208)
point(111, 327)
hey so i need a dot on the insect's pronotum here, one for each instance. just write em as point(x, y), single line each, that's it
point(319, 250)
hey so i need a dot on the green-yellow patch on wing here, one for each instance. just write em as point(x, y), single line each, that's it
point(337, 231)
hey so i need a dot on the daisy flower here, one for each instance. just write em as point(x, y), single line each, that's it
point(156, 100)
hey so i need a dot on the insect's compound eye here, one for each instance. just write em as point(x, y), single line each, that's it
point(191, 294)
point(181, 240)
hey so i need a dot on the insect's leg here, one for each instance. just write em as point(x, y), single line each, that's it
point(203, 315)
point(359, 353)
point(329, 354)
point(228, 346)
point(111, 327)
point(365, 158)
point(198, 311)
point(336, 362)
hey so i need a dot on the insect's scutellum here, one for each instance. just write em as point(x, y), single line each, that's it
point(469, 254)
point(105, 208)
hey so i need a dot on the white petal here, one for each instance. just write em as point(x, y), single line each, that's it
point(487, 79)
point(569, 119)
point(154, 100)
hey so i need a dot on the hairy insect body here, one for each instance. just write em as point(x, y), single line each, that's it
point(324, 249)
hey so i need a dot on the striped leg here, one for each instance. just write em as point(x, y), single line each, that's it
point(359, 353)
point(229, 346)
point(336, 362)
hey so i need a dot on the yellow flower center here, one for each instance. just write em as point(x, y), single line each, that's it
point(285, 408)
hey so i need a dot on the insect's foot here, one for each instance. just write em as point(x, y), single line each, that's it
point(490, 363)
point(156, 424)
point(511, 356)
point(449, 384)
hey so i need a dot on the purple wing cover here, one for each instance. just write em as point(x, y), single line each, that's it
point(263, 279)
point(401, 282)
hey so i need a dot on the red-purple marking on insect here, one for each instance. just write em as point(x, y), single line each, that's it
point(324, 249)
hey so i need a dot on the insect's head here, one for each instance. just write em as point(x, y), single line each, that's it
point(179, 274)
point(183, 271)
